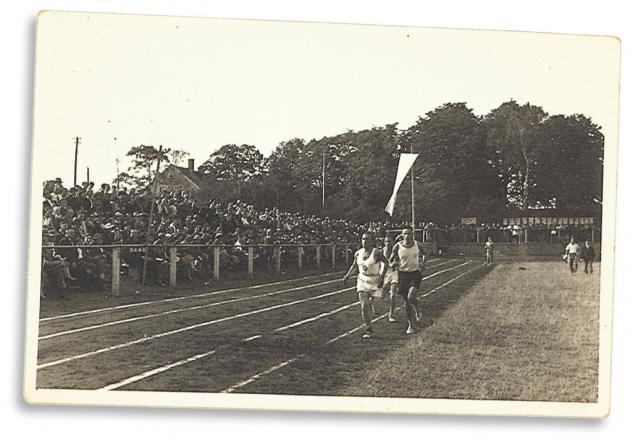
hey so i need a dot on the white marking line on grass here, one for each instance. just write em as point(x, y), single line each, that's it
point(193, 358)
point(261, 374)
point(174, 311)
point(328, 342)
point(438, 264)
point(167, 367)
point(174, 299)
point(187, 328)
point(199, 325)
point(316, 317)
point(450, 281)
point(158, 370)
point(212, 293)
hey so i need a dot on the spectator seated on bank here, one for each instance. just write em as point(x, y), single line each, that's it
point(116, 215)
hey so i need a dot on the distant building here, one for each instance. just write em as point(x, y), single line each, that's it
point(175, 178)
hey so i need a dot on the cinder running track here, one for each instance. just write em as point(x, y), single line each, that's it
point(300, 336)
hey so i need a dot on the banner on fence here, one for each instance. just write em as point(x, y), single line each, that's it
point(549, 221)
point(468, 221)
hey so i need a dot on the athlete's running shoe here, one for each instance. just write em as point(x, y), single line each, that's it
point(368, 333)
point(391, 319)
point(410, 330)
point(418, 316)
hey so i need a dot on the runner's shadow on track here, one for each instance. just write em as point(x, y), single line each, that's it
point(345, 365)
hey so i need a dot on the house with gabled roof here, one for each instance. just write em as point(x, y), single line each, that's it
point(174, 178)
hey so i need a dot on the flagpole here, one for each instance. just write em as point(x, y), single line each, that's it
point(412, 193)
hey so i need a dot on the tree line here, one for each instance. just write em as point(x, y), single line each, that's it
point(515, 160)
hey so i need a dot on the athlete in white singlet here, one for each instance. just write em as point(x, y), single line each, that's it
point(366, 263)
point(391, 279)
point(410, 256)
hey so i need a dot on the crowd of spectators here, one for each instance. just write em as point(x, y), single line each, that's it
point(82, 216)
point(79, 220)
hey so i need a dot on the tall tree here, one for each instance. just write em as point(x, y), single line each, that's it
point(177, 156)
point(235, 166)
point(569, 173)
point(452, 169)
point(370, 170)
point(142, 171)
point(512, 134)
point(283, 179)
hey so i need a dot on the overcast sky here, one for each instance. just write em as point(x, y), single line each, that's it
point(118, 81)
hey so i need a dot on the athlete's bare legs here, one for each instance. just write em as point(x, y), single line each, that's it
point(412, 309)
point(365, 307)
point(392, 294)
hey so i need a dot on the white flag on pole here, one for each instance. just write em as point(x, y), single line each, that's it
point(406, 161)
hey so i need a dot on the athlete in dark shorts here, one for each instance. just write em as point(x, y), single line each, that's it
point(410, 256)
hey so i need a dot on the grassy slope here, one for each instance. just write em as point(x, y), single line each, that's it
point(528, 331)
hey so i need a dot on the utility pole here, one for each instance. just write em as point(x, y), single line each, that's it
point(88, 175)
point(116, 179)
point(323, 180)
point(74, 182)
point(151, 217)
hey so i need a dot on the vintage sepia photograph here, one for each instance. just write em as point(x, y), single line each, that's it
point(245, 214)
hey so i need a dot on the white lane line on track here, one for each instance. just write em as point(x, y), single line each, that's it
point(452, 280)
point(193, 358)
point(262, 374)
point(174, 299)
point(199, 325)
point(316, 317)
point(187, 328)
point(159, 370)
point(341, 336)
point(175, 311)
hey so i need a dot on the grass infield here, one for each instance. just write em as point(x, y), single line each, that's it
point(528, 331)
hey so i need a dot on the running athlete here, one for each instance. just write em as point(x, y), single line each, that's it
point(406, 254)
point(489, 251)
point(366, 262)
point(391, 278)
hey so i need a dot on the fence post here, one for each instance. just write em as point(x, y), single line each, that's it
point(300, 257)
point(526, 235)
point(116, 271)
point(318, 256)
point(173, 256)
point(333, 256)
point(278, 260)
point(478, 235)
point(216, 252)
point(347, 254)
point(251, 262)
